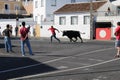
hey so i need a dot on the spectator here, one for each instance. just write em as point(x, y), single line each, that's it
point(117, 42)
point(24, 39)
point(7, 38)
point(16, 31)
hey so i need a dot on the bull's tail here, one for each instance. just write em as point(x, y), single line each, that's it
point(82, 32)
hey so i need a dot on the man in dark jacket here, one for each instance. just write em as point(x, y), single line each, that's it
point(7, 38)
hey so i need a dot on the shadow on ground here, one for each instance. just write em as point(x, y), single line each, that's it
point(13, 67)
point(2, 45)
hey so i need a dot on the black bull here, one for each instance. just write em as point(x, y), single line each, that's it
point(72, 34)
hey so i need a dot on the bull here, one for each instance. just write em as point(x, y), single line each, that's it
point(72, 35)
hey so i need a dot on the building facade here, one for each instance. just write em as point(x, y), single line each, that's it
point(15, 8)
point(43, 9)
point(77, 17)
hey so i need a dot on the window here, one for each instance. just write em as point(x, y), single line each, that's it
point(6, 7)
point(62, 21)
point(118, 8)
point(74, 20)
point(36, 4)
point(42, 3)
point(36, 18)
point(86, 19)
point(16, 7)
point(41, 17)
point(73, 1)
point(53, 2)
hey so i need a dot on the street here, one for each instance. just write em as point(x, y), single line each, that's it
point(91, 60)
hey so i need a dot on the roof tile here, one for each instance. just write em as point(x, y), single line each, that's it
point(79, 7)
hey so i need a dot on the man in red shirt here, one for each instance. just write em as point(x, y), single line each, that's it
point(24, 39)
point(52, 29)
point(117, 42)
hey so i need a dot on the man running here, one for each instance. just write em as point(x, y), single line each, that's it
point(52, 29)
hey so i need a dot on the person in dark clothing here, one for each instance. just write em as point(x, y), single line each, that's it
point(16, 31)
point(7, 38)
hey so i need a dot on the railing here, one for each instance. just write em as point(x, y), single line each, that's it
point(47, 23)
point(108, 13)
point(3, 11)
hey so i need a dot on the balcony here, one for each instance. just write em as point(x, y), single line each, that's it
point(106, 13)
point(12, 14)
point(21, 12)
point(104, 16)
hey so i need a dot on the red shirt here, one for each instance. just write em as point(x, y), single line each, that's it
point(118, 33)
point(52, 30)
point(23, 32)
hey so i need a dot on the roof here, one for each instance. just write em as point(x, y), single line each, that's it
point(80, 7)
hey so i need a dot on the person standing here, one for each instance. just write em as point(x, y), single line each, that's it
point(24, 39)
point(117, 42)
point(7, 38)
point(52, 29)
point(0, 31)
point(16, 31)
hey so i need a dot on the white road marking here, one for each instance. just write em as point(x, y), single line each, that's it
point(91, 59)
point(62, 59)
point(60, 71)
point(62, 67)
point(52, 60)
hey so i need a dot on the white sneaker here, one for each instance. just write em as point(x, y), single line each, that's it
point(23, 55)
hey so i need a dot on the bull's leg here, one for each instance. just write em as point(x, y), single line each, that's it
point(75, 39)
point(70, 39)
point(81, 39)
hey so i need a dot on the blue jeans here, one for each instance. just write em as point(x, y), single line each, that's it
point(8, 46)
point(28, 45)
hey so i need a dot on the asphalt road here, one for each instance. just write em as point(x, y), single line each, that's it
point(91, 60)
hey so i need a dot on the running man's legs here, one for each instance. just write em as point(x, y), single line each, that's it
point(51, 38)
point(56, 38)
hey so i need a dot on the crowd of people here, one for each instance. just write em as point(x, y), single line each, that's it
point(7, 33)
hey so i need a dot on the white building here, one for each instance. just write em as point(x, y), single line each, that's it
point(73, 17)
point(76, 17)
point(43, 9)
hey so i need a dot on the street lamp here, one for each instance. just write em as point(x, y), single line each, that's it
point(17, 19)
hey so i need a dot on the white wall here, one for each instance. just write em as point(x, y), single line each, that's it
point(80, 27)
point(48, 10)
point(112, 19)
point(4, 22)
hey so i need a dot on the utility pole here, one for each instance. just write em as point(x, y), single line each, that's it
point(91, 20)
